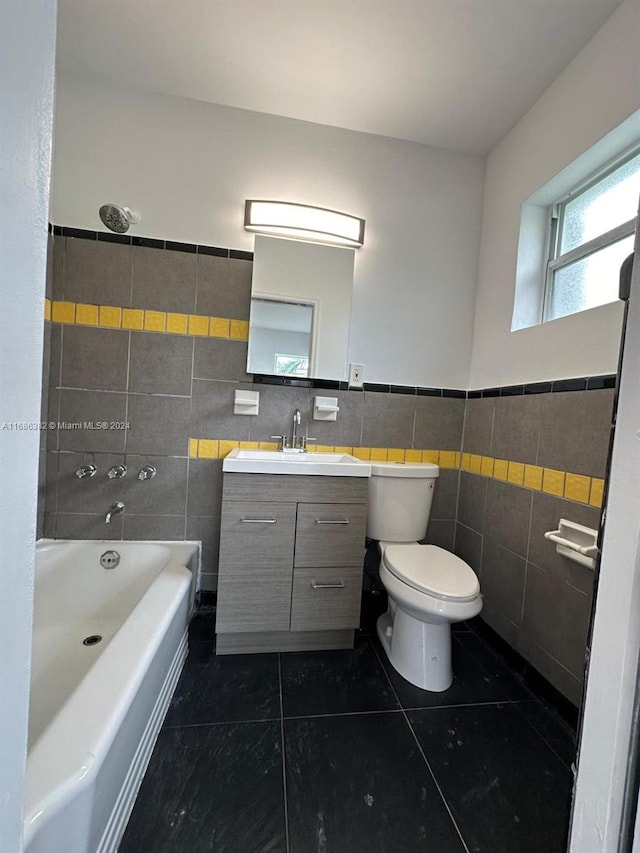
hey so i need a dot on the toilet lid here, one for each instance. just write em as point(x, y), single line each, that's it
point(430, 569)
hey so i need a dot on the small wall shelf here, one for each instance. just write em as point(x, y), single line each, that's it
point(246, 403)
point(325, 408)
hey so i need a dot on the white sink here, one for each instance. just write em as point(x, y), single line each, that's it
point(278, 462)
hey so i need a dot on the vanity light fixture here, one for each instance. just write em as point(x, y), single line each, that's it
point(303, 222)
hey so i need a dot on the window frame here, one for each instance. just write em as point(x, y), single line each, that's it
point(557, 261)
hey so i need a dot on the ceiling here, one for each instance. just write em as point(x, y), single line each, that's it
point(455, 74)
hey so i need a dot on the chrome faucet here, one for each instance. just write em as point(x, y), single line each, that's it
point(294, 431)
point(295, 443)
point(117, 508)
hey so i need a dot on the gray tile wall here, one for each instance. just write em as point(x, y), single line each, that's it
point(169, 388)
point(44, 406)
point(536, 600)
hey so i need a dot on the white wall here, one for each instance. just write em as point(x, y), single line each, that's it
point(188, 166)
point(26, 104)
point(611, 682)
point(595, 93)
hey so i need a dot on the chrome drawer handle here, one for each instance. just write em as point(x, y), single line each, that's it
point(337, 585)
point(258, 521)
point(343, 521)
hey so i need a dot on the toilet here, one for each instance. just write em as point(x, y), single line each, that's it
point(428, 588)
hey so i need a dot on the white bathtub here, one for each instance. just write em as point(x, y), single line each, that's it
point(96, 709)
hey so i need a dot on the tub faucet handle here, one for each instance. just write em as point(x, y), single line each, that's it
point(85, 471)
point(117, 508)
point(117, 472)
point(147, 472)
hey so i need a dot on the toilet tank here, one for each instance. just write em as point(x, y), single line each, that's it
point(400, 497)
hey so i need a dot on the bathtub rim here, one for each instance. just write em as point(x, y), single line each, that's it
point(45, 543)
point(48, 789)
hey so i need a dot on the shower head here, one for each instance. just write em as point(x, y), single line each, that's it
point(118, 218)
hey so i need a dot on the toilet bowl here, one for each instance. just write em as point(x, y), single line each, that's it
point(428, 587)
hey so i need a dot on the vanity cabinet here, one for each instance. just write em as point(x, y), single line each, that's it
point(291, 561)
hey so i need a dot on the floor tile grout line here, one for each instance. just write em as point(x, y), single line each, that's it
point(347, 714)
point(219, 723)
point(435, 781)
point(284, 760)
point(344, 714)
point(422, 753)
point(487, 703)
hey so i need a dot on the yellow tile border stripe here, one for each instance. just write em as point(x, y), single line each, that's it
point(148, 320)
point(578, 488)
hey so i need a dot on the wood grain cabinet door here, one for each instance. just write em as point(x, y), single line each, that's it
point(330, 535)
point(326, 598)
point(256, 566)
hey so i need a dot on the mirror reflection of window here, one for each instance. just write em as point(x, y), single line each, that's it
point(290, 365)
point(281, 337)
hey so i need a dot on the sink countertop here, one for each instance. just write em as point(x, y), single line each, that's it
point(316, 464)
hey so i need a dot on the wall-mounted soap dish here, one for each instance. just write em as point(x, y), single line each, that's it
point(576, 542)
point(246, 402)
point(325, 408)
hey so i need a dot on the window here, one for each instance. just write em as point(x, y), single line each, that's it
point(591, 235)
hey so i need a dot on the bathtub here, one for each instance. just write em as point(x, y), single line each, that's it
point(96, 709)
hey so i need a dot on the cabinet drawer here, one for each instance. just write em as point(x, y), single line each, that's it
point(256, 532)
point(255, 569)
point(330, 535)
point(326, 598)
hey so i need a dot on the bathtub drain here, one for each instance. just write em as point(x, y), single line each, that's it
point(91, 640)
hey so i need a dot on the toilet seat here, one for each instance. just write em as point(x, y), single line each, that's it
point(432, 570)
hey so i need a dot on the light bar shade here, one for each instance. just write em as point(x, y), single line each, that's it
point(303, 222)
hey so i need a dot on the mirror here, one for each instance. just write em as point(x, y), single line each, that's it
point(281, 337)
point(300, 308)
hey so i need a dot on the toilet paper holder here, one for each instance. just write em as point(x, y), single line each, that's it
point(576, 542)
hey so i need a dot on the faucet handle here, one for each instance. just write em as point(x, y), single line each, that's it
point(304, 439)
point(147, 472)
point(85, 471)
point(282, 439)
point(117, 472)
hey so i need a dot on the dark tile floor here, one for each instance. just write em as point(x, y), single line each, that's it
point(334, 752)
